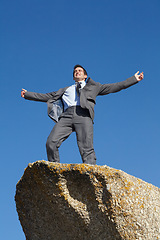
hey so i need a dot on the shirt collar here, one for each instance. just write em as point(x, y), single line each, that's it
point(83, 83)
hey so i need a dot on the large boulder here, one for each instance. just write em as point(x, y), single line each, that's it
point(84, 202)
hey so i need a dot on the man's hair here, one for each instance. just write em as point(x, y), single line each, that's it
point(85, 72)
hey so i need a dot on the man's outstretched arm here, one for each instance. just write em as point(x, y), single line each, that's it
point(118, 86)
point(42, 97)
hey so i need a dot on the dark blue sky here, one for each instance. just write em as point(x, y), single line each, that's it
point(40, 42)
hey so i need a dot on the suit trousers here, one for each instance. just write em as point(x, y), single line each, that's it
point(74, 119)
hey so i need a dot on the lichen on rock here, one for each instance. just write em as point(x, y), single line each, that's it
point(85, 202)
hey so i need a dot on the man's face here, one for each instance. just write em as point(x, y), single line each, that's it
point(79, 74)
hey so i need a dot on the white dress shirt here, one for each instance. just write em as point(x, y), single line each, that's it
point(70, 97)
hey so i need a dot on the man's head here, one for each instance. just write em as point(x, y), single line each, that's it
point(79, 73)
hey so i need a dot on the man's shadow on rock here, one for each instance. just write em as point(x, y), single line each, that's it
point(90, 189)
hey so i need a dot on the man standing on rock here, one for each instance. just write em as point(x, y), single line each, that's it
point(72, 108)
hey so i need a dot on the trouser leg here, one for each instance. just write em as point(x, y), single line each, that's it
point(59, 133)
point(84, 131)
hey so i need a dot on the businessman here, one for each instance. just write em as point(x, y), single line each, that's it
point(72, 108)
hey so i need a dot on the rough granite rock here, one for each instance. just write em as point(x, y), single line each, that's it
point(83, 202)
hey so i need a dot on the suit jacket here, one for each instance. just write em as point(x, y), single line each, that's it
point(87, 97)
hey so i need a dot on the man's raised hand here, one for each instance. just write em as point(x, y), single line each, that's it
point(138, 76)
point(23, 91)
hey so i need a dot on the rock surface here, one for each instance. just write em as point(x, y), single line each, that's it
point(83, 202)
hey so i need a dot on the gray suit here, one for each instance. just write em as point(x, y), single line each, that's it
point(78, 119)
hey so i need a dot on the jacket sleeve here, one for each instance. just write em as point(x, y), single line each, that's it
point(116, 87)
point(41, 97)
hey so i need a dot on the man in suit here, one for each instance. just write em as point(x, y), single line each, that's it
point(72, 108)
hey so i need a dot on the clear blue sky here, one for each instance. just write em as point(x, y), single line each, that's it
point(40, 42)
